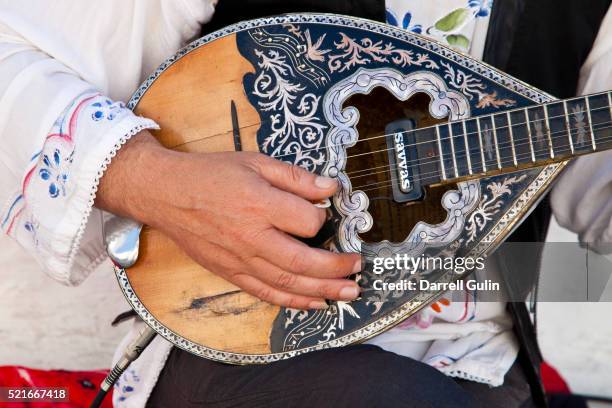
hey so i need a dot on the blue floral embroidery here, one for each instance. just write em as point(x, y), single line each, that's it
point(126, 384)
point(32, 227)
point(483, 6)
point(392, 19)
point(106, 110)
point(53, 172)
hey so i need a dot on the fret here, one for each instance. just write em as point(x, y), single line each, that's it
point(540, 135)
point(557, 129)
point(461, 156)
point(499, 165)
point(579, 125)
point(588, 112)
point(601, 121)
point(430, 171)
point(529, 136)
point(447, 151)
point(467, 148)
point(548, 135)
point(473, 142)
point(501, 136)
point(482, 156)
point(567, 127)
point(488, 142)
point(511, 134)
point(452, 143)
point(441, 154)
point(520, 136)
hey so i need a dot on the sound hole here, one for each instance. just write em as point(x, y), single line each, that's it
point(370, 172)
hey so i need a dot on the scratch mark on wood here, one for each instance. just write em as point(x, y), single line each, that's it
point(219, 304)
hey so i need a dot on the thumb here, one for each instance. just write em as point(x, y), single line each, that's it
point(296, 180)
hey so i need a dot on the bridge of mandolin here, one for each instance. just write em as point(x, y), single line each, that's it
point(371, 171)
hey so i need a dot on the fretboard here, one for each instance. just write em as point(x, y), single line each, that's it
point(515, 139)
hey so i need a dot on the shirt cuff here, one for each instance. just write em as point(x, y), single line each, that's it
point(52, 214)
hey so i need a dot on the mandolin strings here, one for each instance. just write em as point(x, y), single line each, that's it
point(434, 126)
point(433, 176)
point(436, 157)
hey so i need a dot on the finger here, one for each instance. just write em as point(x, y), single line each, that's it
point(295, 215)
point(224, 262)
point(267, 293)
point(295, 179)
point(334, 289)
point(294, 256)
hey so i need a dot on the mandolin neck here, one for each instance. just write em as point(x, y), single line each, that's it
point(506, 141)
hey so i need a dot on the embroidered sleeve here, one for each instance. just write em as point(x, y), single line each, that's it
point(51, 214)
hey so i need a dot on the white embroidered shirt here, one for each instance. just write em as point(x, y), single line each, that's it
point(63, 64)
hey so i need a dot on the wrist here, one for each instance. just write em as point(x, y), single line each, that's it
point(131, 178)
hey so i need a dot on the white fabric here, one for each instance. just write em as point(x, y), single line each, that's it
point(460, 24)
point(50, 53)
point(470, 339)
point(49, 212)
point(55, 55)
point(581, 198)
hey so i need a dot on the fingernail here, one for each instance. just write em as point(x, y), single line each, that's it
point(357, 266)
point(318, 304)
point(324, 203)
point(349, 293)
point(325, 182)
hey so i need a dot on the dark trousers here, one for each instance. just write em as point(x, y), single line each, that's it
point(354, 376)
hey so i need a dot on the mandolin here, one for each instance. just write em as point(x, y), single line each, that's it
point(435, 153)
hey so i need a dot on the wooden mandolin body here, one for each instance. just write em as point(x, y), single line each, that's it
point(292, 79)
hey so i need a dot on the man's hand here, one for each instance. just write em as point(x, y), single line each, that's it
point(234, 213)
